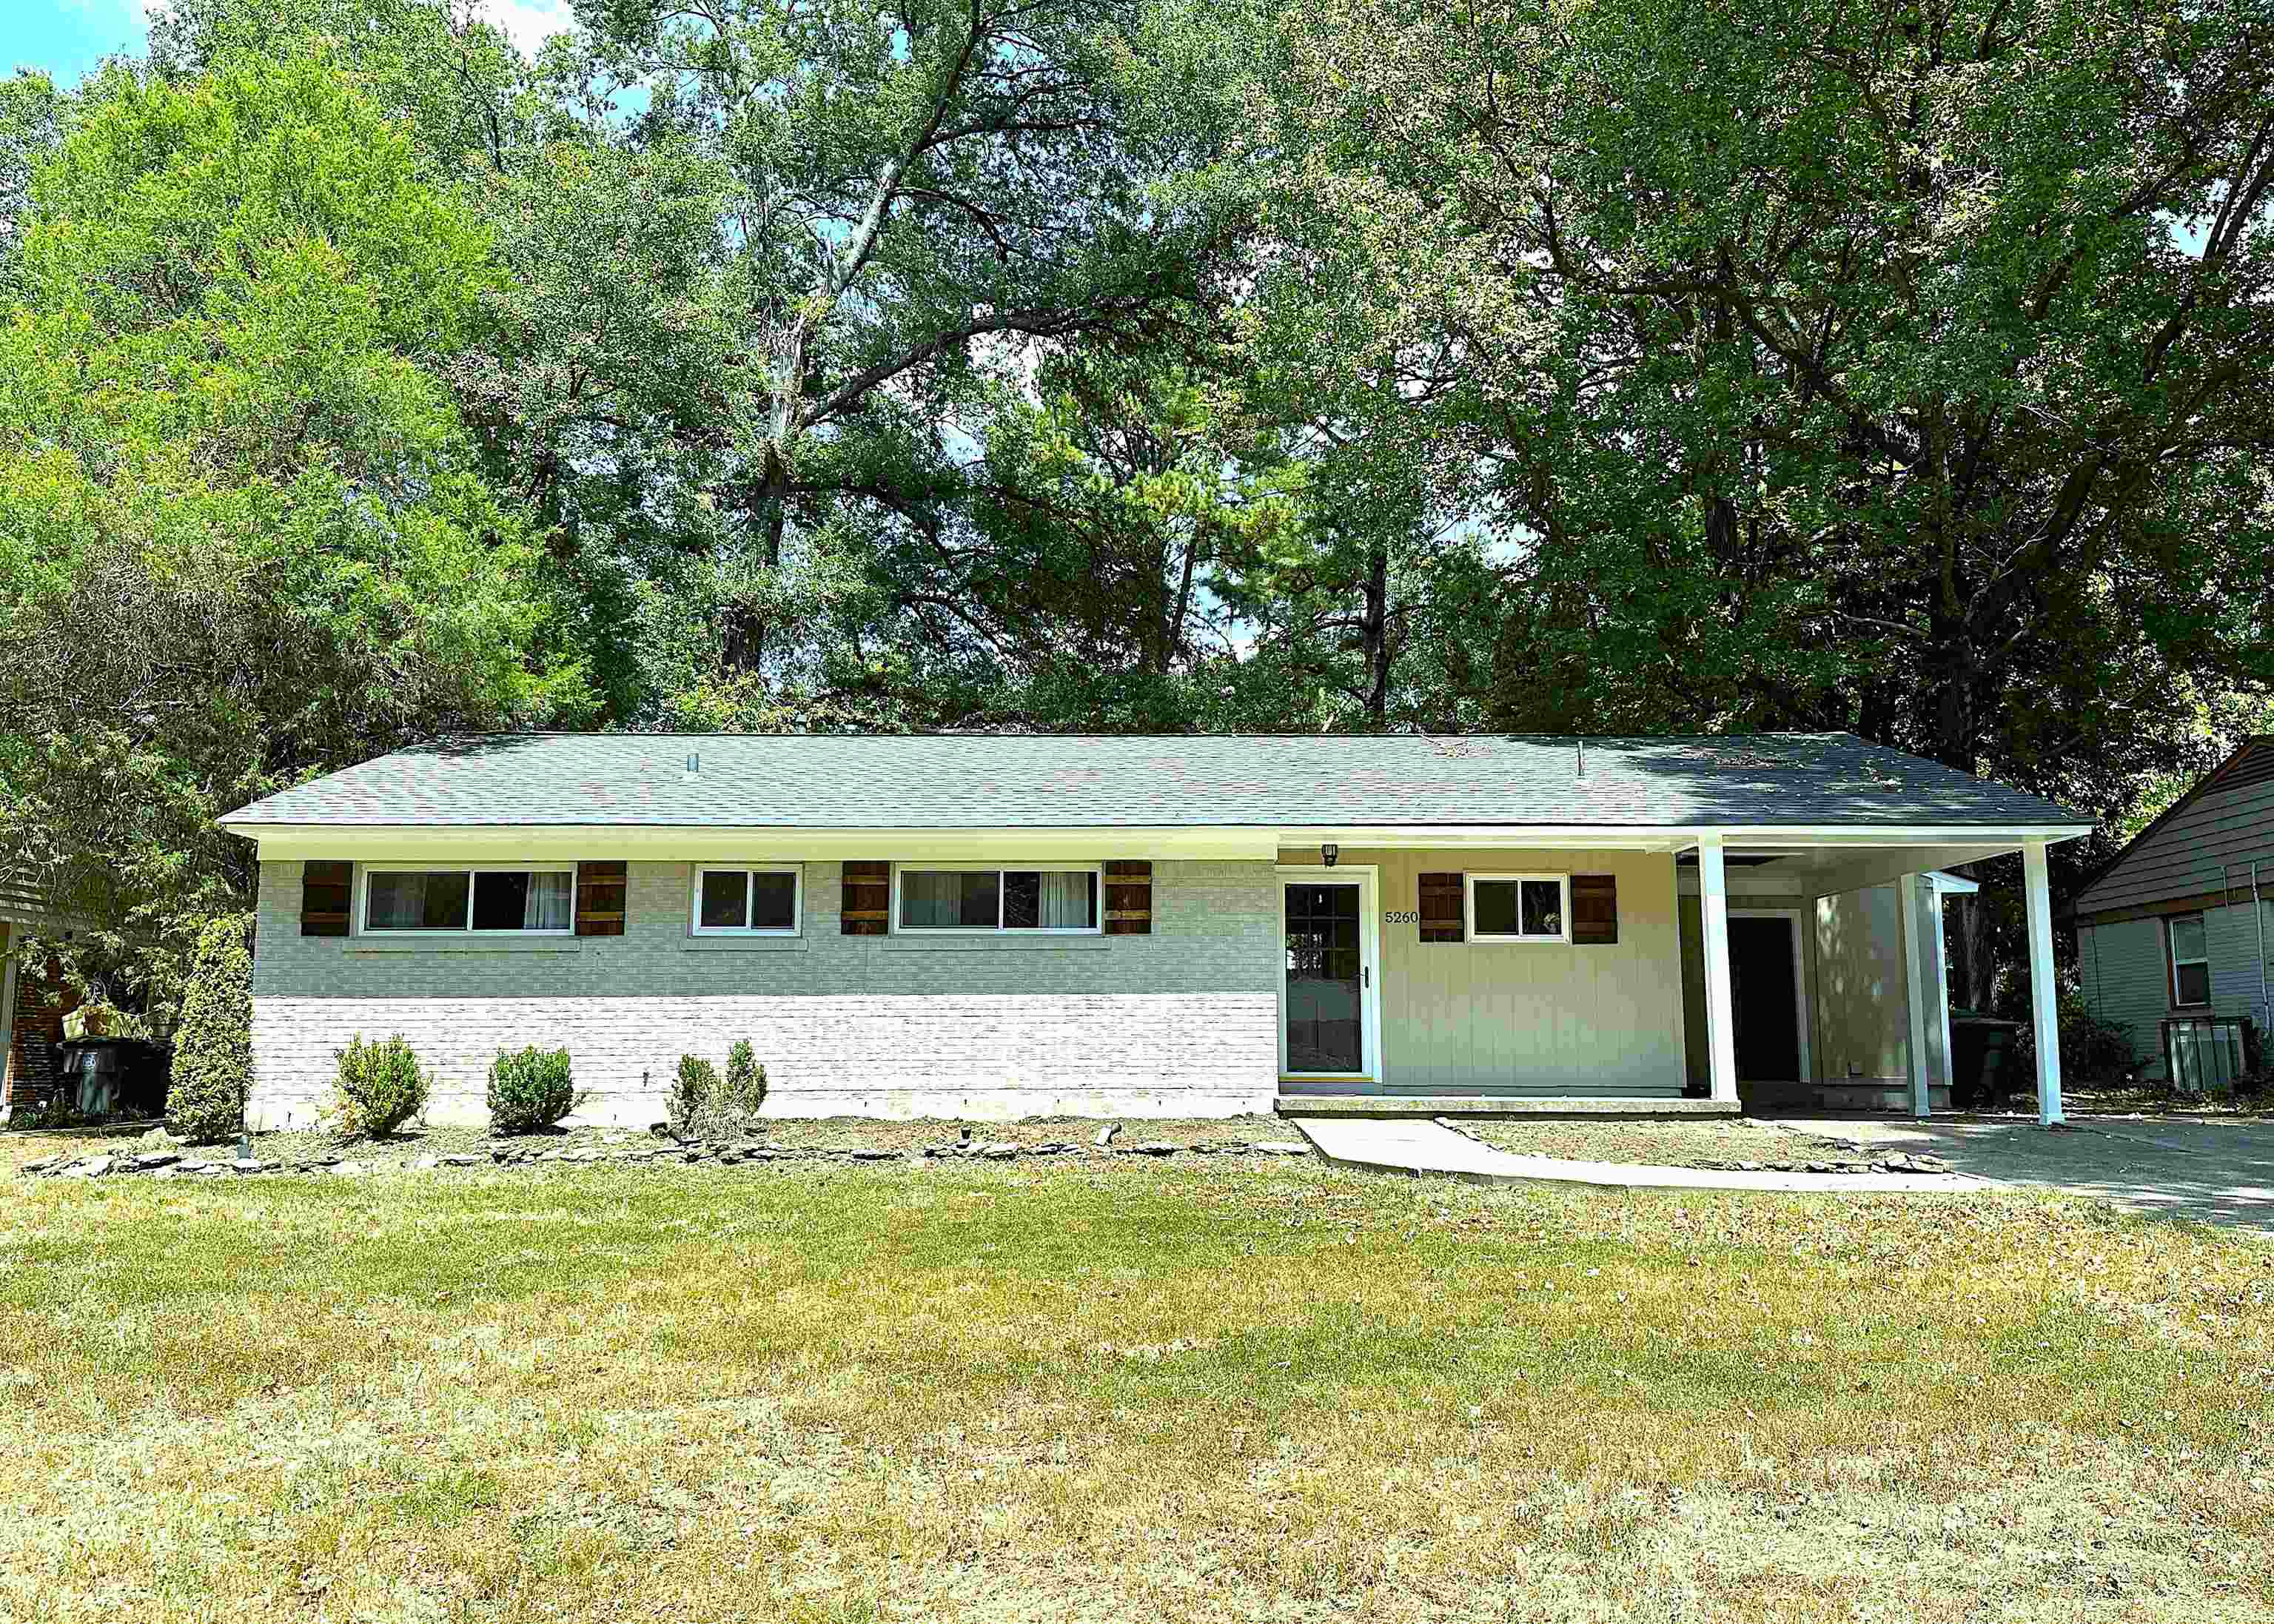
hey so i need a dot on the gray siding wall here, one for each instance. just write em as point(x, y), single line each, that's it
point(1180, 1022)
point(2126, 979)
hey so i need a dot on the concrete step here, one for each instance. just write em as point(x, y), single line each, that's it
point(1863, 1094)
point(1495, 1105)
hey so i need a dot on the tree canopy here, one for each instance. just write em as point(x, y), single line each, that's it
point(243, 533)
point(1129, 364)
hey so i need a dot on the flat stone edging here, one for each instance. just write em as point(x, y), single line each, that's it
point(172, 1164)
point(1479, 1164)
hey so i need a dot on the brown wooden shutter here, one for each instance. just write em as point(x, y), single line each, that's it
point(865, 907)
point(1441, 907)
point(325, 888)
point(1594, 909)
point(599, 899)
point(1129, 899)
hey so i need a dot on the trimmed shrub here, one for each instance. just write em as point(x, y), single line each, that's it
point(530, 1089)
point(212, 1048)
point(693, 1090)
point(745, 1089)
point(381, 1086)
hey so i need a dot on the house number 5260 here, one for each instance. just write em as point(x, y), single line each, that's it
point(1402, 916)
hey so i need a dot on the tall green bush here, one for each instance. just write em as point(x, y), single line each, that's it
point(212, 1048)
point(745, 1089)
point(531, 1089)
point(693, 1089)
point(381, 1086)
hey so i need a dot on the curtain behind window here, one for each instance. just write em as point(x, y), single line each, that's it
point(548, 907)
point(1065, 902)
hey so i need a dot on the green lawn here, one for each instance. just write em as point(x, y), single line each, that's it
point(1215, 1390)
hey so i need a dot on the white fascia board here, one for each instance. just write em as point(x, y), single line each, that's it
point(369, 843)
point(387, 842)
point(1817, 836)
point(1735, 838)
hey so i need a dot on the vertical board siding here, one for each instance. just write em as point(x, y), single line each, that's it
point(1530, 1016)
point(1863, 991)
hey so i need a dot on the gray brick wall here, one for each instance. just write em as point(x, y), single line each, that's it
point(1182, 1022)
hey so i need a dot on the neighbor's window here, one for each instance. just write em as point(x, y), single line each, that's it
point(757, 902)
point(2190, 960)
point(996, 899)
point(493, 900)
point(1519, 907)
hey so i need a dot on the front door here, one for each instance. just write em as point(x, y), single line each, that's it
point(1765, 1000)
point(1328, 979)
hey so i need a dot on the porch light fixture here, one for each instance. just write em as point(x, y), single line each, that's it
point(1328, 852)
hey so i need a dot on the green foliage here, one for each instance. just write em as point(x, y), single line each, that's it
point(2093, 1050)
point(694, 1092)
point(381, 1086)
point(244, 538)
point(744, 1089)
point(452, 81)
point(32, 116)
point(213, 1046)
point(530, 1088)
point(703, 1104)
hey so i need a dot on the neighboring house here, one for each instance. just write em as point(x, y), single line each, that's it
point(1001, 926)
point(33, 1003)
point(2172, 936)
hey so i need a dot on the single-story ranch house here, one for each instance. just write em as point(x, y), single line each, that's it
point(1004, 925)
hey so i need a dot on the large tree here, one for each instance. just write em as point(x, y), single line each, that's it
point(1905, 367)
point(912, 199)
point(244, 535)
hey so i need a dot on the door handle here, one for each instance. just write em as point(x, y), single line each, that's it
point(1366, 975)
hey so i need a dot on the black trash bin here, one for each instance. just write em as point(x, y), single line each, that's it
point(116, 1077)
point(1982, 1060)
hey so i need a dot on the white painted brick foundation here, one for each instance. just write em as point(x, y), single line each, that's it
point(995, 1058)
point(1180, 1023)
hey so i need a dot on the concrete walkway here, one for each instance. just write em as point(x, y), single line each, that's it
point(1404, 1145)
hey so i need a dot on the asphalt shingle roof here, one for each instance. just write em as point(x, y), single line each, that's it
point(1032, 781)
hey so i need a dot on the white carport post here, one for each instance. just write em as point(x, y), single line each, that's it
point(1720, 1022)
point(2044, 1004)
point(1916, 900)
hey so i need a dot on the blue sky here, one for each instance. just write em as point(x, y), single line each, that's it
point(66, 38)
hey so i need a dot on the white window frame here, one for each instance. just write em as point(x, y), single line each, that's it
point(1096, 870)
point(2172, 948)
point(1470, 933)
point(796, 871)
point(364, 871)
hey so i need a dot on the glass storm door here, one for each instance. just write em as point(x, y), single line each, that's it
point(1327, 977)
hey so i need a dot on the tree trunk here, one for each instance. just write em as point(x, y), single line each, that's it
point(1374, 633)
point(743, 634)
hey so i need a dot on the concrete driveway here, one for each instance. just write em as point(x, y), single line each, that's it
point(2222, 1172)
